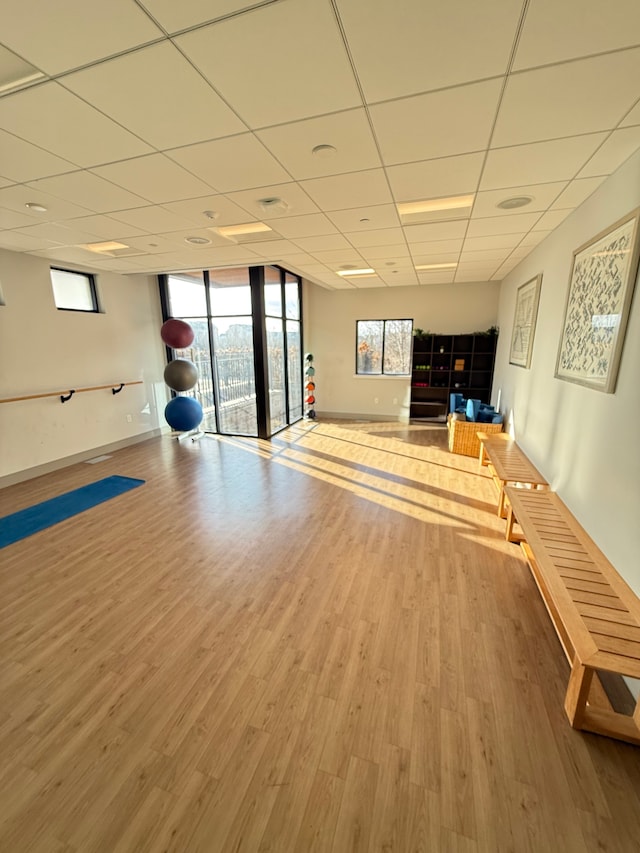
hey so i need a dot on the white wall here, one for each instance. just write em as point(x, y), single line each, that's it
point(585, 442)
point(330, 333)
point(43, 349)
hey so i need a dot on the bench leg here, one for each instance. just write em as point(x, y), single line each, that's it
point(575, 701)
point(501, 499)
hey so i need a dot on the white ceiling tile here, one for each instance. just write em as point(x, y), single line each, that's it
point(73, 255)
point(435, 247)
point(542, 196)
point(69, 33)
point(551, 219)
point(88, 191)
point(326, 242)
point(188, 13)
point(373, 218)
point(470, 276)
point(501, 241)
point(348, 132)
point(16, 197)
point(55, 119)
point(223, 211)
point(231, 164)
point(167, 102)
point(21, 161)
point(365, 283)
point(431, 260)
point(273, 85)
point(293, 195)
point(576, 192)
point(579, 28)
point(441, 277)
point(20, 242)
point(463, 116)
point(517, 223)
point(632, 117)
point(436, 178)
point(381, 237)
point(356, 189)
point(336, 258)
point(423, 46)
point(274, 249)
point(15, 218)
point(299, 259)
point(436, 231)
point(60, 234)
point(104, 227)
point(533, 238)
point(154, 178)
point(313, 225)
point(538, 163)
point(394, 252)
point(617, 148)
point(475, 255)
point(152, 220)
point(550, 102)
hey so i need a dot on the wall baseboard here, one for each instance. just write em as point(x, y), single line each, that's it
point(56, 464)
point(359, 416)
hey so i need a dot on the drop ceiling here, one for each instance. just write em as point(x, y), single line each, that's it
point(151, 122)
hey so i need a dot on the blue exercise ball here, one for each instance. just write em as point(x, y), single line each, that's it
point(183, 413)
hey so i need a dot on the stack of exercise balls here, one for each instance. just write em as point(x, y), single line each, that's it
point(310, 386)
point(183, 414)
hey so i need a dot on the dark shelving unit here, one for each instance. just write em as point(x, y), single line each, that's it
point(444, 364)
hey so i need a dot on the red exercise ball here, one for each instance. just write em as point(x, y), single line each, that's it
point(177, 334)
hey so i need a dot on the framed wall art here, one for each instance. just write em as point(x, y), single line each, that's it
point(524, 322)
point(601, 285)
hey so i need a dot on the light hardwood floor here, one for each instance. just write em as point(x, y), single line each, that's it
point(318, 643)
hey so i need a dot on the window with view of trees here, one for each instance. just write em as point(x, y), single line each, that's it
point(383, 347)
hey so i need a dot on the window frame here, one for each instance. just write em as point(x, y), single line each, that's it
point(90, 278)
point(384, 328)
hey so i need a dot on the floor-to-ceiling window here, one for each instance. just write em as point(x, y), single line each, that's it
point(247, 347)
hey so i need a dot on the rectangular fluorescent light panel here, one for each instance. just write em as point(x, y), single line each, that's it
point(435, 209)
point(246, 228)
point(356, 272)
point(109, 246)
point(451, 266)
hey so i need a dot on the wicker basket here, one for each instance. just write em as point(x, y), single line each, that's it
point(463, 435)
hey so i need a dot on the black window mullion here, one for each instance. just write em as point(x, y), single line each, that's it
point(260, 366)
point(214, 384)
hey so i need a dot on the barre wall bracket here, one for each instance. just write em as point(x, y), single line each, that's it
point(117, 390)
point(63, 398)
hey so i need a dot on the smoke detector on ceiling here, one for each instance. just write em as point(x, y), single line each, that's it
point(516, 201)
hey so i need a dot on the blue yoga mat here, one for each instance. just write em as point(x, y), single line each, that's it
point(24, 523)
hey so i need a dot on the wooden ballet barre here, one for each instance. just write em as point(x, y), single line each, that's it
point(116, 388)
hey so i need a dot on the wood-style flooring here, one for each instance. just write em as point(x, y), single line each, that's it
point(318, 643)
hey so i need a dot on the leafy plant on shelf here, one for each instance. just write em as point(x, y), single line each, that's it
point(421, 335)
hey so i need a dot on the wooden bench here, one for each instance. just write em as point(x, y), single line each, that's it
point(507, 464)
point(595, 613)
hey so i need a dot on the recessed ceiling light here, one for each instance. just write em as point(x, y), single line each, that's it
point(245, 228)
point(365, 219)
point(211, 214)
point(324, 151)
point(367, 271)
point(38, 208)
point(197, 241)
point(451, 266)
point(108, 246)
point(516, 201)
point(433, 205)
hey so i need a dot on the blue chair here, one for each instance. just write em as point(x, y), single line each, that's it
point(457, 403)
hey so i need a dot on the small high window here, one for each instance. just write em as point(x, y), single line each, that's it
point(74, 291)
point(383, 347)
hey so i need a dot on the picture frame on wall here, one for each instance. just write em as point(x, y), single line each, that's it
point(524, 322)
point(603, 275)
